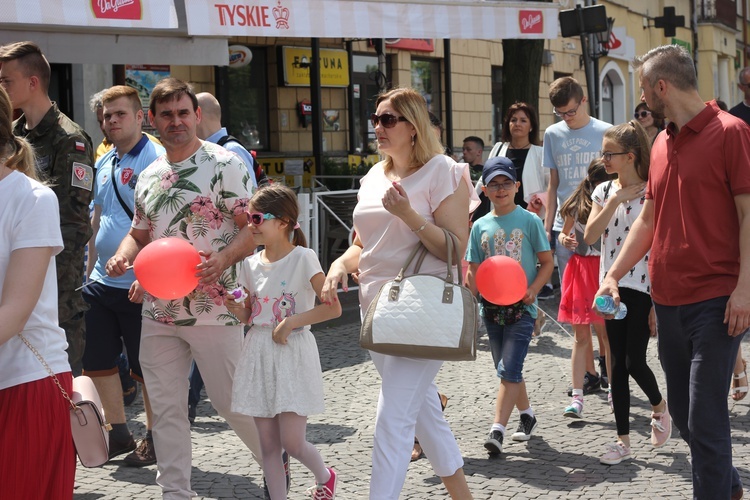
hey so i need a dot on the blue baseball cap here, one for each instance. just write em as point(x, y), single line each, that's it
point(499, 165)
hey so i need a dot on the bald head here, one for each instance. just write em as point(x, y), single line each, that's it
point(211, 118)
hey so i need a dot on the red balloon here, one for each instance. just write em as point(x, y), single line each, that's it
point(166, 268)
point(501, 280)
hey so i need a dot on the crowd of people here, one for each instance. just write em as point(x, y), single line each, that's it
point(617, 207)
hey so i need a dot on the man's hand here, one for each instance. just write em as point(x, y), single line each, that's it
point(608, 287)
point(136, 292)
point(117, 265)
point(210, 270)
point(737, 314)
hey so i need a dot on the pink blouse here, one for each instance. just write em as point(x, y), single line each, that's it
point(386, 239)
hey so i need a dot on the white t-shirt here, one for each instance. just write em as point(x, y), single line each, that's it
point(30, 218)
point(279, 289)
point(614, 235)
point(570, 151)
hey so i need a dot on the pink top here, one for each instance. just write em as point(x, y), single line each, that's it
point(386, 239)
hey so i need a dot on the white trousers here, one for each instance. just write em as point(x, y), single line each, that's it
point(408, 405)
point(166, 354)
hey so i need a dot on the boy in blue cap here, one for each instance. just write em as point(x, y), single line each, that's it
point(511, 231)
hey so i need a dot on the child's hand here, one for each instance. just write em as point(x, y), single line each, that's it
point(630, 193)
point(568, 241)
point(233, 306)
point(282, 332)
point(530, 297)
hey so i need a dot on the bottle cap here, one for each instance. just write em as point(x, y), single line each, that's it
point(600, 301)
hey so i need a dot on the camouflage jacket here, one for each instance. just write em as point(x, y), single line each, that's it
point(65, 159)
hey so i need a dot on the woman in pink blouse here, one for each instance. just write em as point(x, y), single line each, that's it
point(406, 198)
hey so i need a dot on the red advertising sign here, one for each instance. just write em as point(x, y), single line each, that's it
point(117, 9)
point(531, 21)
point(419, 44)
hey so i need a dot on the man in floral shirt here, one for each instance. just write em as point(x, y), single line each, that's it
point(198, 192)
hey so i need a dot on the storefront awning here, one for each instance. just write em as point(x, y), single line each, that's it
point(109, 32)
point(467, 19)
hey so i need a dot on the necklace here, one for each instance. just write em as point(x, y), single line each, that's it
point(522, 147)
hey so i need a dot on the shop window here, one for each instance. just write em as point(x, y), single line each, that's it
point(607, 113)
point(246, 116)
point(425, 78)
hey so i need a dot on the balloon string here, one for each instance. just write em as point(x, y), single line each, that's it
point(97, 280)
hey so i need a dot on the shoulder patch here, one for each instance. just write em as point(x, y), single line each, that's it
point(82, 176)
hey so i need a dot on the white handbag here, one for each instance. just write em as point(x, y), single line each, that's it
point(423, 316)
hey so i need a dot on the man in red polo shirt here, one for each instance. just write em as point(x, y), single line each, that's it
point(696, 221)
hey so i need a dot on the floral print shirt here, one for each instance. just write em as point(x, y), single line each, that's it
point(196, 200)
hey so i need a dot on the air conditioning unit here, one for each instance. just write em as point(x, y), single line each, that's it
point(547, 57)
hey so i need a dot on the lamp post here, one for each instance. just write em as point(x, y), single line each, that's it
point(594, 27)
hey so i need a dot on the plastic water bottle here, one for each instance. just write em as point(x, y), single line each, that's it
point(605, 304)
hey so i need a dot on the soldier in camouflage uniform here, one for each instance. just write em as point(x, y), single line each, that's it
point(64, 158)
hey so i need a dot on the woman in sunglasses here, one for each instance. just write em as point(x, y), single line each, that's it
point(406, 198)
point(37, 458)
point(652, 122)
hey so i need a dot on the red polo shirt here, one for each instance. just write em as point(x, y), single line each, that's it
point(692, 182)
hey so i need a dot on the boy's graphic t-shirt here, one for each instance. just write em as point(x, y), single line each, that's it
point(614, 236)
point(519, 235)
point(195, 200)
point(279, 289)
point(570, 151)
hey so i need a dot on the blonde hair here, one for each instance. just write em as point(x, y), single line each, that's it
point(411, 105)
point(15, 151)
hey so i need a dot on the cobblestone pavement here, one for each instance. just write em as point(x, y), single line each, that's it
point(560, 461)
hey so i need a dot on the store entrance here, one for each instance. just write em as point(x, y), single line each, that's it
point(364, 79)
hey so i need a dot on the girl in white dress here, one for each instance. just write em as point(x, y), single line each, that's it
point(278, 379)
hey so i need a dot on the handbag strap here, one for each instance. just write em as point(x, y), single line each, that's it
point(49, 370)
point(117, 191)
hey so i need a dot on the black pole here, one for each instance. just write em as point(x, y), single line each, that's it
point(350, 96)
point(316, 102)
point(448, 95)
point(585, 53)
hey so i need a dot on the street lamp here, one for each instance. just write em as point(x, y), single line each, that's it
point(583, 22)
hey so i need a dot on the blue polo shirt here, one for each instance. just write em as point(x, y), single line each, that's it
point(114, 223)
point(236, 148)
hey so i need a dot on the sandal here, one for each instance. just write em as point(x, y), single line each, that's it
point(443, 401)
point(416, 452)
point(740, 391)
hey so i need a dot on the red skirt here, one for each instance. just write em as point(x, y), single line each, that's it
point(579, 285)
point(37, 457)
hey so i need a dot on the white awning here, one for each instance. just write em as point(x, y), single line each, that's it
point(95, 48)
point(150, 14)
point(468, 19)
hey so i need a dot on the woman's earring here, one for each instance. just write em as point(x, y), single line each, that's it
point(413, 140)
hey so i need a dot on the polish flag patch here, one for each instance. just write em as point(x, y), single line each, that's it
point(80, 146)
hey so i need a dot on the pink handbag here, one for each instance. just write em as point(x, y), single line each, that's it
point(90, 430)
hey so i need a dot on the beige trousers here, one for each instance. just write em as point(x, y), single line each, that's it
point(166, 354)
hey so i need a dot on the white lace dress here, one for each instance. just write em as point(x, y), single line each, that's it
point(272, 378)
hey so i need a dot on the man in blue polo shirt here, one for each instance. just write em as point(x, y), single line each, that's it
point(114, 316)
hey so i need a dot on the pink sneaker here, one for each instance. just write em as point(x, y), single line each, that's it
point(661, 428)
point(615, 454)
point(325, 491)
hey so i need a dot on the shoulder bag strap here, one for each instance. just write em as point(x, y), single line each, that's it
point(49, 370)
point(117, 191)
